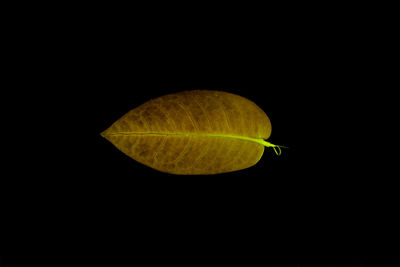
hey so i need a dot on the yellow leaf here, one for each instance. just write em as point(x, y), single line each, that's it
point(194, 132)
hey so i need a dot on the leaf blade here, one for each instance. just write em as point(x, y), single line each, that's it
point(193, 132)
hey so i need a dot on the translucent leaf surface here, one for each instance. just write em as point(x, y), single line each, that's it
point(193, 132)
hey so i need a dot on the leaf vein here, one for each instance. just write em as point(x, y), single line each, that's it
point(224, 112)
point(189, 115)
point(202, 110)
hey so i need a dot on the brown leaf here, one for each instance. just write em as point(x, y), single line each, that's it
point(193, 132)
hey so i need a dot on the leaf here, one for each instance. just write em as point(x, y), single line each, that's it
point(193, 132)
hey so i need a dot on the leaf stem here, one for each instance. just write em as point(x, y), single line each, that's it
point(275, 147)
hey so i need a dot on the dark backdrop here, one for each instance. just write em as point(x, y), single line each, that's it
point(15, 261)
point(307, 70)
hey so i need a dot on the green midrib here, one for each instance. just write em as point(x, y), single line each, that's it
point(256, 140)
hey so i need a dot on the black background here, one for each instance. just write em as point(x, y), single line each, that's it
point(12, 261)
point(307, 70)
